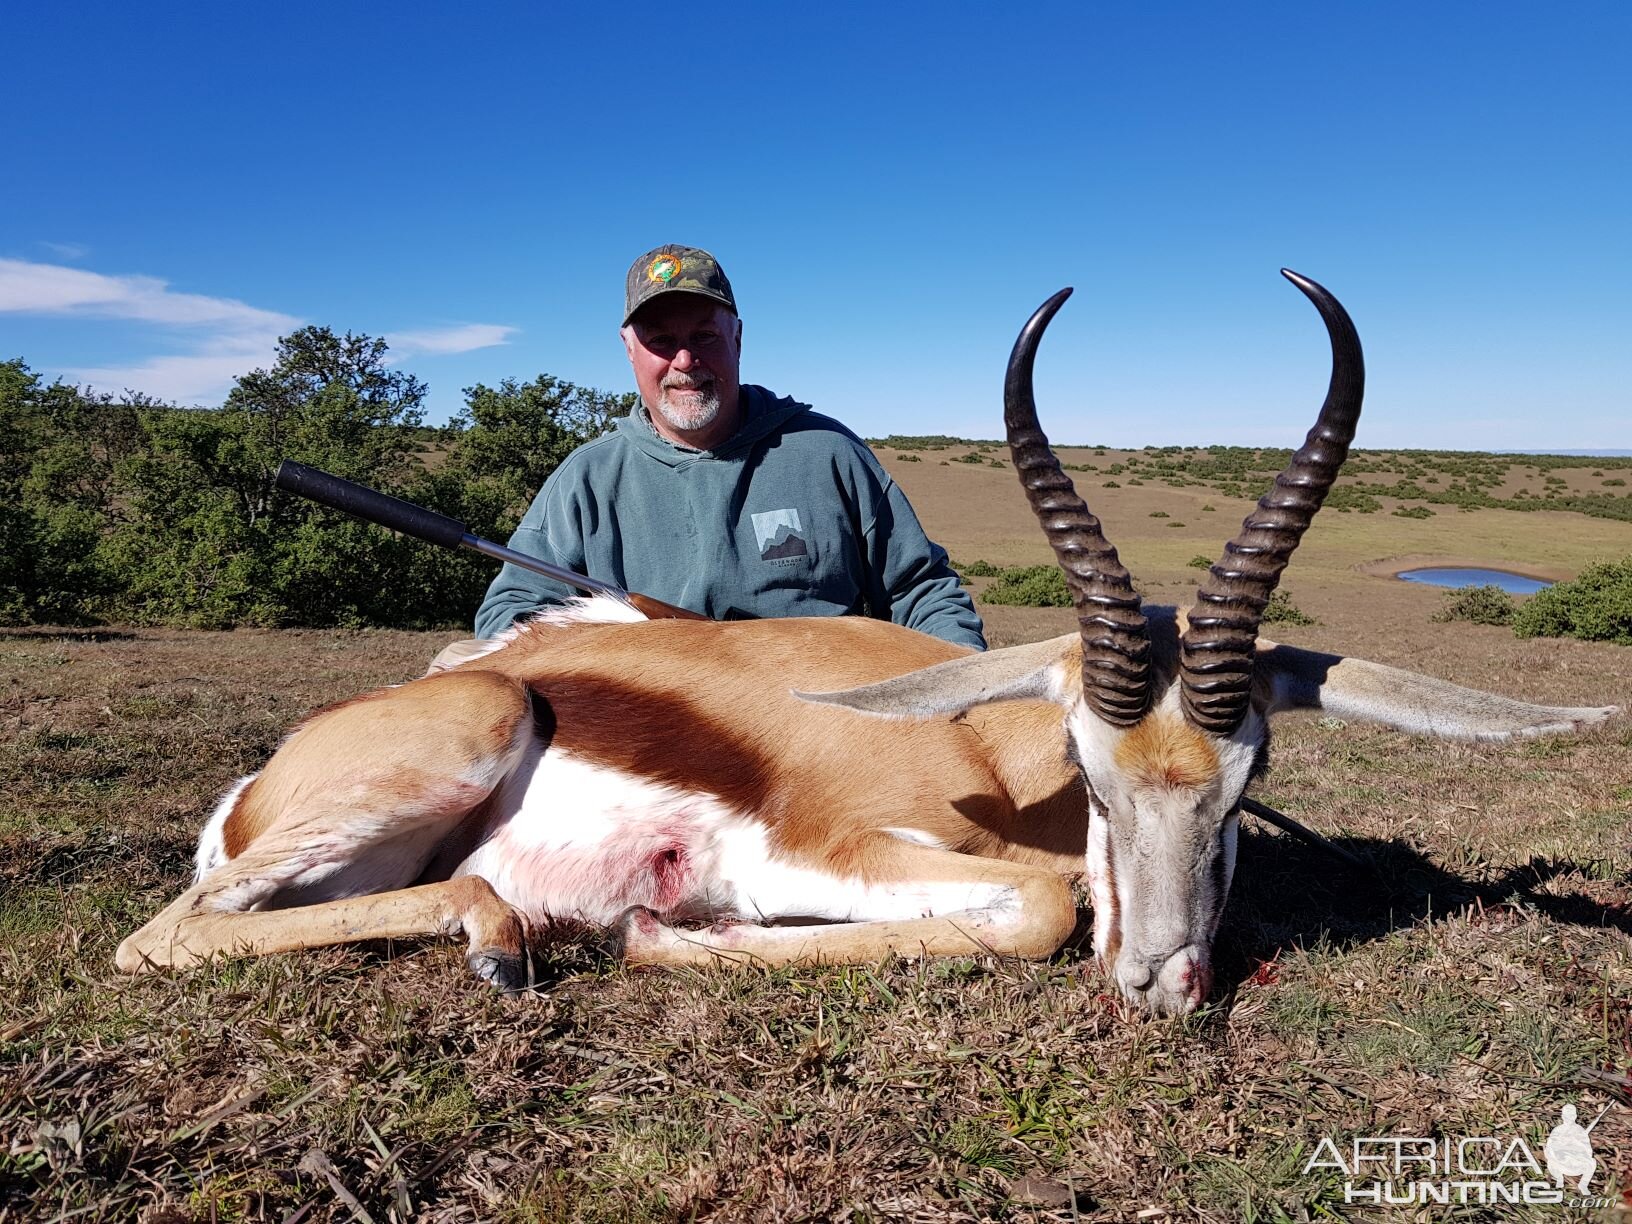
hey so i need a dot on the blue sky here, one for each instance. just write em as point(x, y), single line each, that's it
point(892, 191)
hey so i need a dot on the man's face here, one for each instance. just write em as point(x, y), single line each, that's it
point(685, 351)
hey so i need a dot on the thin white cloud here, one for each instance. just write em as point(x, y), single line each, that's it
point(225, 338)
point(50, 289)
point(462, 338)
point(201, 379)
point(66, 250)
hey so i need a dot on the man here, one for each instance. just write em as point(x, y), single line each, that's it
point(723, 498)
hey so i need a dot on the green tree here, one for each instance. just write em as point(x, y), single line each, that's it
point(19, 440)
point(138, 509)
point(514, 435)
point(505, 442)
point(214, 543)
point(60, 450)
point(330, 401)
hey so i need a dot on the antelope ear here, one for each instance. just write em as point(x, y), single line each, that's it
point(1039, 671)
point(1296, 679)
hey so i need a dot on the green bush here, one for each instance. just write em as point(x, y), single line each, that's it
point(1347, 498)
point(137, 510)
point(60, 455)
point(1482, 605)
point(925, 442)
point(977, 569)
point(1200, 562)
point(1282, 611)
point(1595, 607)
point(1033, 586)
point(1416, 512)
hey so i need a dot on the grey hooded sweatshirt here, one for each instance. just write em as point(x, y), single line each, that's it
point(792, 516)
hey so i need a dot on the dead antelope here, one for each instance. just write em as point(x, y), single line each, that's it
point(664, 778)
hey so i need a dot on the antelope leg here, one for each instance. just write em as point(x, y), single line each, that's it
point(906, 899)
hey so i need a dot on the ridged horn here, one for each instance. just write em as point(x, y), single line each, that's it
point(1216, 652)
point(1115, 638)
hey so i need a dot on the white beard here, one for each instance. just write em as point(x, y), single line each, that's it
point(689, 412)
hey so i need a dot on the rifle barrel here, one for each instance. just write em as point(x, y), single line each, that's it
point(360, 501)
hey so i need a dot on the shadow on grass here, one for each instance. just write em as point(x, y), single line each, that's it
point(35, 632)
point(1287, 894)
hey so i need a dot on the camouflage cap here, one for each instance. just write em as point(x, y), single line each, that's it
point(675, 269)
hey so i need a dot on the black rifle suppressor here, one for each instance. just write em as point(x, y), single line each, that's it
point(372, 506)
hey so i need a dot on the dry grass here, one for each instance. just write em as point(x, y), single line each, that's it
point(1460, 984)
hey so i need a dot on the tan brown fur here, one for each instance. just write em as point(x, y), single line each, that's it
point(1044, 822)
point(244, 823)
point(651, 700)
point(1164, 750)
point(345, 749)
point(616, 706)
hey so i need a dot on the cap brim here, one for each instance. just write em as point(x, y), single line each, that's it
point(702, 293)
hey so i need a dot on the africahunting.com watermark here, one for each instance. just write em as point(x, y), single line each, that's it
point(1406, 1170)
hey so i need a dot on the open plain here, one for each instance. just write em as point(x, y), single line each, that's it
point(1473, 977)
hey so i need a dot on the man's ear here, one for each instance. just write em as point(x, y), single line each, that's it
point(627, 334)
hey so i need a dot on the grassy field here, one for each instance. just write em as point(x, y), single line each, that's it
point(1471, 979)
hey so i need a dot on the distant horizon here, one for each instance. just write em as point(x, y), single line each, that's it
point(957, 441)
point(442, 420)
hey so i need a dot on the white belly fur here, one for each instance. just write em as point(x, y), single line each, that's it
point(212, 847)
point(570, 839)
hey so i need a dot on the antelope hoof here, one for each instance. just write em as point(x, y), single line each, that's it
point(502, 960)
point(502, 968)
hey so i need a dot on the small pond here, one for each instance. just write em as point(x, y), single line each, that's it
point(1513, 584)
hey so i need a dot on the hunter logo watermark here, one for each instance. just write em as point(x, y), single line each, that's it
point(1569, 1150)
point(1402, 1171)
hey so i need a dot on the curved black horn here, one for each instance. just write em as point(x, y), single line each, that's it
point(1216, 652)
point(1115, 638)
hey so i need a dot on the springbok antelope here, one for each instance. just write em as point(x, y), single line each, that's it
point(654, 775)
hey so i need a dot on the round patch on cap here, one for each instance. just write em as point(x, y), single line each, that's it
point(664, 268)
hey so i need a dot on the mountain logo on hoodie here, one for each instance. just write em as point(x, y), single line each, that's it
point(777, 532)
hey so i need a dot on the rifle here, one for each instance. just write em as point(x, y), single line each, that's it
point(394, 513)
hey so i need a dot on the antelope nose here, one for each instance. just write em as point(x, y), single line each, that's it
point(1134, 974)
point(1187, 975)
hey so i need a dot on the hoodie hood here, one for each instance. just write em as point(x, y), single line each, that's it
point(763, 413)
